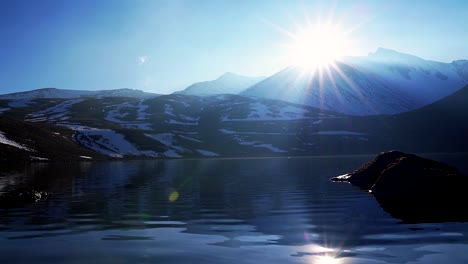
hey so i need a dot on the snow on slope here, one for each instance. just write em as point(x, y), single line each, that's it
point(207, 153)
point(18, 103)
point(228, 83)
point(121, 111)
point(106, 141)
point(168, 140)
point(385, 82)
point(58, 112)
point(239, 138)
point(183, 119)
point(6, 141)
point(263, 112)
point(3, 109)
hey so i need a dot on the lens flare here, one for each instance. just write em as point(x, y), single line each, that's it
point(173, 196)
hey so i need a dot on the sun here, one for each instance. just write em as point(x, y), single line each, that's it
point(317, 45)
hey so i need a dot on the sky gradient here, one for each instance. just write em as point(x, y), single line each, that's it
point(164, 46)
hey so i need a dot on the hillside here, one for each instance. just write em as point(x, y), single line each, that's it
point(184, 126)
point(66, 94)
point(442, 125)
point(385, 82)
point(24, 141)
point(175, 126)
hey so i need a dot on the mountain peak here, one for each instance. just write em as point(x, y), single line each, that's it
point(228, 83)
point(230, 75)
point(384, 54)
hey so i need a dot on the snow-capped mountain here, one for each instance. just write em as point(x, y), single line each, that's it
point(228, 83)
point(176, 126)
point(384, 82)
point(63, 93)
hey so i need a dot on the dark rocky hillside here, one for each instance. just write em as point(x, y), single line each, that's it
point(185, 126)
point(40, 142)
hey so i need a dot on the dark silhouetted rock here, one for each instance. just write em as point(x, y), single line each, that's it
point(413, 188)
point(366, 176)
point(22, 197)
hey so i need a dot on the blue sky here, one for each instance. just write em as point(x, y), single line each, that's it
point(163, 46)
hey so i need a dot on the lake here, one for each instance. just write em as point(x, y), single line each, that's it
point(270, 210)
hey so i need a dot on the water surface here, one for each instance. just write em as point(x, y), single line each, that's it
point(280, 210)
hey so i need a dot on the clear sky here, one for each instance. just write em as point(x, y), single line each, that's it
point(163, 46)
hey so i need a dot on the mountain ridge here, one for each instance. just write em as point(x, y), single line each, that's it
point(185, 126)
point(386, 82)
point(68, 93)
point(228, 83)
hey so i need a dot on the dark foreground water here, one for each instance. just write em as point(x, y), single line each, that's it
point(214, 211)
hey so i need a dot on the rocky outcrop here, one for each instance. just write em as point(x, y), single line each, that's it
point(413, 188)
point(366, 176)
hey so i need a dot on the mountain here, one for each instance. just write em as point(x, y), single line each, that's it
point(22, 141)
point(384, 82)
point(185, 126)
point(441, 126)
point(63, 93)
point(228, 83)
point(175, 126)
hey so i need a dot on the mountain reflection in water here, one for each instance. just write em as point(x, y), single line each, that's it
point(281, 210)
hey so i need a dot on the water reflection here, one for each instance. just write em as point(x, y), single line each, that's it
point(275, 210)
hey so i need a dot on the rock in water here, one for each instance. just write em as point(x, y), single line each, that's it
point(413, 188)
point(366, 176)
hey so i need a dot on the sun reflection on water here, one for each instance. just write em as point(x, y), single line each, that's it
point(327, 259)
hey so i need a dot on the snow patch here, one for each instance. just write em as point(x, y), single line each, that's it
point(38, 158)
point(169, 110)
point(168, 140)
point(317, 122)
point(262, 112)
point(141, 111)
point(189, 118)
point(207, 153)
point(226, 131)
point(175, 122)
point(258, 144)
point(55, 113)
point(104, 141)
point(3, 110)
point(172, 154)
point(231, 132)
point(190, 138)
point(270, 147)
point(118, 113)
point(20, 103)
point(6, 141)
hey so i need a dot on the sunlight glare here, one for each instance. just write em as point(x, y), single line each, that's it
point(317, 46)
point(327, 260)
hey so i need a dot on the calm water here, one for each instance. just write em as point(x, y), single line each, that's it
point(214, 211)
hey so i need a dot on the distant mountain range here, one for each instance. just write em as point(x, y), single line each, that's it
point(185, 126)
point(228, 83)
point(387, 100)
point(63, 93)
point(385, 82)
